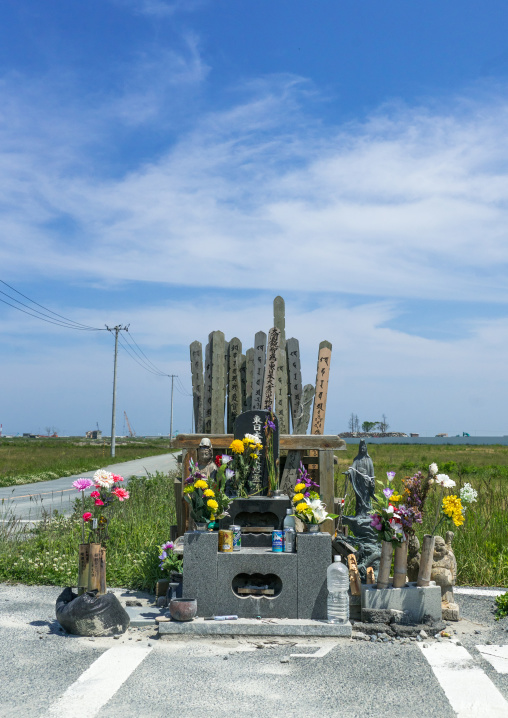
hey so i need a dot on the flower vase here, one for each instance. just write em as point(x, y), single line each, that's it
point(201, 526)
point(311, 528)
point(426, 559)
point(400, 565)
point(385, 564)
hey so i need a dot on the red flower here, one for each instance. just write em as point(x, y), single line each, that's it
point(116, 477)
point(95, 495)
point(121, 493)
point(218, 460)
point(98, 502)
point(87, 516)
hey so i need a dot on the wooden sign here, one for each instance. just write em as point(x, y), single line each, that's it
point(294, 379)
point(217, 349)
point(196, 359)
point(249, 377)
point(272, 353)
point(281, 386)
point(234, 382)
point(207, 395)
point(322, 377)
point(259, 370)
point(303, 417)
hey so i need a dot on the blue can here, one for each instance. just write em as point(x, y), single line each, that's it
point(277, 541)
point(237, 537)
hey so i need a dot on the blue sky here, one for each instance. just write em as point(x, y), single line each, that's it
point(176, 165)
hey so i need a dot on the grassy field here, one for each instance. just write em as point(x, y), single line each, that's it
point(481, 544)
point(140, 525)
point(25, 461)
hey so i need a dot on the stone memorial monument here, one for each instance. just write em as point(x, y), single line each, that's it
point(205, 462)
point(253, 422)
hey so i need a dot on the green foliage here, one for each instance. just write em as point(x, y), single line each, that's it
point(502, 606)
point(48, 554)
point(26, 461)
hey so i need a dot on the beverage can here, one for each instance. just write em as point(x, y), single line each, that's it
point(289, 540)
point(237, 537)
point(225, 541)
point(277, 541)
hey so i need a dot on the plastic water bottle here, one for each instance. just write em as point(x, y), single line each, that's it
point(337, 579)
point(289, 521)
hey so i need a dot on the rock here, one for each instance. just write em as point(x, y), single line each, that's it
point(359, 635)
point(422, 634)
point(284, 660)
point(477, 632)
point(425, 645)
point(133, 603)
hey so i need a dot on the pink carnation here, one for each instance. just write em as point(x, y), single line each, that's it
point(116, 477)
point(87, 516)
point(121, 493)
point(98, 502)
point(95, 495)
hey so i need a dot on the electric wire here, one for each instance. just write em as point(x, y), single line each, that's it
point(133, 356)
point(130, 337)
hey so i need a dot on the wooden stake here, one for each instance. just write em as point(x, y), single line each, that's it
point(400, 565)
point(371, 576)
point(385, 564)
point(427, 556)
point(103, 571)
point(83, 568)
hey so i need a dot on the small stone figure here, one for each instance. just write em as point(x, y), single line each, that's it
point(361, 476)
point(413, 558)
point(205, 462)
point(444, 573)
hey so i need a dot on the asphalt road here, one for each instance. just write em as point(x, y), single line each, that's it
point(27, 501)
point(48, 673)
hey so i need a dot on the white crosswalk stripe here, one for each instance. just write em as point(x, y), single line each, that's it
point(497, 656)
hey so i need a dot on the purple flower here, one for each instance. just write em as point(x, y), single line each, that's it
point(189, 480)
point(376, 522)
point(270, 424)
point(167, 546)
point(82, 484)
point(388, 492)
point(229, 473)
point(390, 475)
point(163, 556)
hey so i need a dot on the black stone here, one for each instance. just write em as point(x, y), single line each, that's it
point(253, 422)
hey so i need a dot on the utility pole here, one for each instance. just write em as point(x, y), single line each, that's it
point(172, 377)
point(116, 329)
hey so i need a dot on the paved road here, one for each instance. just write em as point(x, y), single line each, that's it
point(28, 500)
point(47, 673)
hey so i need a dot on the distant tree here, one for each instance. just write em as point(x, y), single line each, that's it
point(353, 424)
point(383, 424)
point(369, 425)
point(357, 423)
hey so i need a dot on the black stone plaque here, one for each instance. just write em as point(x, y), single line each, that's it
point(253, 422)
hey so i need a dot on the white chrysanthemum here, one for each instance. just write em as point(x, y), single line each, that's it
point(253, 438)
point(104, 478)
point(468, 494)
point(433, 469)
point(445, 481)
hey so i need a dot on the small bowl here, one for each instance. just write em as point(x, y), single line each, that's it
point(183, 609)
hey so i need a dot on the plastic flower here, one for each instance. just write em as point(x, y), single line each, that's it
point(433, 469)
point(200, 484)
point(302, 507)
point(468, 494)
point(99, 502)
point(95, 495)
point(300, 487)
point(388, 492)
point(297, 497)
point(209, 493)
point(270, 424)
point(253, 456)
point(122, 494)
point(211, 503)
point(236, 446)
point(226, 459)
point(445, 481)
point(82, 484)
point(395, 497)
point(103, 478)
point(87, 516)
point(390, 475)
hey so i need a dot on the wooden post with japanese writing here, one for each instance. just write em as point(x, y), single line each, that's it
point(207, 401)
point(235, 382)
point(258, 370)
point(196, 358)
point(217, 349)
point(281, 384)
point(325, 476)
point(272, 354)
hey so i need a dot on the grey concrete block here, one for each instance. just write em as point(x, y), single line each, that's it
point(314, 552)
point(374, 628)
point(253, 627)
point(259, 562)
point(200, 570)
point(385, 615)
point(421, 604)
point(355, 608)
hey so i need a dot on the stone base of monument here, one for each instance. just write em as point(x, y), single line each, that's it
point(293, 585)
point(411, 604)
point(252, 627)
point(450, 611)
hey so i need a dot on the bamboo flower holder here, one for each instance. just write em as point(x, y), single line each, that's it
point(400, 565)
point(426, 558)
point(385, 564)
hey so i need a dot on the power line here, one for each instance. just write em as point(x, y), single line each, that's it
point(133, 356)
point(131, 338)
point(61, 321)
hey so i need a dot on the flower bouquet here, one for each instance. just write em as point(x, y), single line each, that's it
point(272, 467)
point(200, 497)
point(308, 506)
point(244, 459)
point(169, 560)
point(107, 491)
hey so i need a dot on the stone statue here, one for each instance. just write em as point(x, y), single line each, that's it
point(205, 462)
point(413, 558)
point(444, 573)
point(361, 477)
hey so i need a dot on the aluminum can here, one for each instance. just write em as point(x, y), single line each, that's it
point(226, 541)
point(277, 541)
point(237, 537)
point(289, 540)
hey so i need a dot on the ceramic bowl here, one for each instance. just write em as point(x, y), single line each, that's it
point(183, 609)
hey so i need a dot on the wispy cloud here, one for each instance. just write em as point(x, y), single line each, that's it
point(161, 8)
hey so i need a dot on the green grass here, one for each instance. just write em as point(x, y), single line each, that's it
point(481, 544)
point(26, 461)
point(49, 554)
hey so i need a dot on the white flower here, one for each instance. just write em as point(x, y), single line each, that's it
point(318, 509)
point(104, 478)
point(433, 469)
point(445, 481)
point(252, 437)
point(468, 494)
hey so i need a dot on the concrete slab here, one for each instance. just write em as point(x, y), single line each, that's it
point(419, 603)
point(255, 627)
point(144, 616)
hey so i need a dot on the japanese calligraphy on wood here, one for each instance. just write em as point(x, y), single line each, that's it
point(272, 353)
point(196, 358)
point(259, 369)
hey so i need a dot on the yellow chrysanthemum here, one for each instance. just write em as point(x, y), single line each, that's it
point(452, 505)
point(302, 507)
point(201, 484)
point(253, 456)
point(300, 487)
point(458, 519)
point(245, 440)
point(209, 493)
point(236, 446)
point(297, 498)
point(212, 504)
point(188, 490)
point(395, 497)
point(259, 447)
